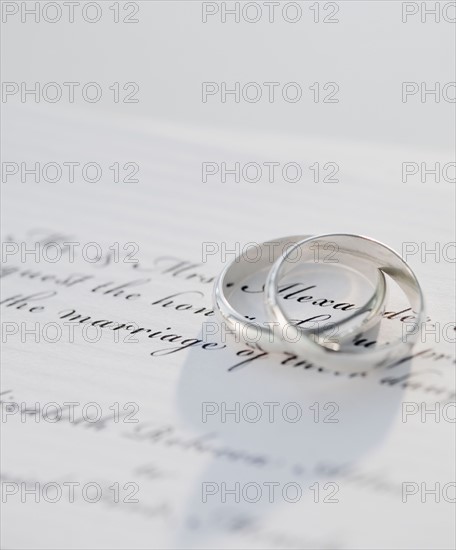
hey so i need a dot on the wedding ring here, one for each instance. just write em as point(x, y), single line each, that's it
point(265, 336)
point(379, 255)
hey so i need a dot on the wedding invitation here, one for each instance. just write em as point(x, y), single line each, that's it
point(129, 420)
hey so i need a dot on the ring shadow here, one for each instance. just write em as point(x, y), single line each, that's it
point(344, 417)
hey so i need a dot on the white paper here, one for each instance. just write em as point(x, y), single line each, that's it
point(173, 467)
point(171, 452)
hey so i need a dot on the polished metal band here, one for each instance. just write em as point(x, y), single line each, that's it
point(361, 248)
point(266, 336)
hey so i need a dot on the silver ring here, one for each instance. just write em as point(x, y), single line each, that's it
point(264, 335)
point(363, 248)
